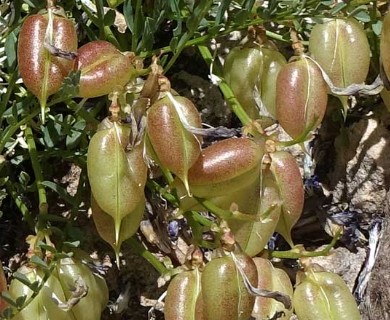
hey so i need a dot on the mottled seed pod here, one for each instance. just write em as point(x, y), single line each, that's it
point(182, 295)
point(176, 148)
point(289, 182)
point(301, 97)
point(323, 295)
point(43, 71)
point(224, 294)
point(252, 236)
point(341, 48)
point(103, 68)
point(225, 167)
point(272, 279)
point(241, 72)
point(117, 172)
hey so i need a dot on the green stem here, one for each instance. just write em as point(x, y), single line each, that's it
point(32, 148)
point(297, 254)
point(139, 249)
point(225, 88)
point(20, 204)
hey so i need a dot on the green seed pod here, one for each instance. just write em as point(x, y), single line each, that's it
point(323, 295)
point(176, 148)
point(253, 236)
point(385, 45)
point(272, 279)
point(182, 295)
point(385, 95)
point(225, 167)
point(224, 294)
point(273, 61)
point(341, 48)
point(117, 173)
point(301, 97)
point(58, 288)
point(103, 68)
point(289, 181)
point(105, 225)
point(241, 72)
point(43, 72)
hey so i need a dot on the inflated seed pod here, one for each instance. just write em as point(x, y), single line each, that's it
point(252, 236)
point(176, 148)
point(105, 225)
point(225, 167)
point(341, 48)
point(289, 182)
point(385, 95)
point(241, 72)
point(224, 294)
point(59, 288)
point(273, 61)
point(301, 97)
point(385, 45)
point(323, 295)
point(103, 68)
point(117, 172)
point(182, 295)
point(272, 279)
point(42, 71)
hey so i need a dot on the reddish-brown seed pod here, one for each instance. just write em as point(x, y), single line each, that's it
point(301, 97)
point(182, 295)
point(103, 68)
point(176, 148)
point(41, 71)
point(224, 294)
point(225, 166)
point(289, 181)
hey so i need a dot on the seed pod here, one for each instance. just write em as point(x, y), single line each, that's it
point(3, 287)
point(341, 48)
point(253, 236)
point(273, 61)
point(385, 95)
point(105, 225)
point(43, 72)
point(67, 274)
point(182, 294)
point(385, 45)
point(289, 181)
point(241, 72)
point(176, 148)
point(323, 295)
point(225, 167)
point(272, 279)
point(224, 294)
point(301, 97)
point(103, 68)
point(117, 172)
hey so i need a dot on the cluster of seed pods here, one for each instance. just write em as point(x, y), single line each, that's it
point(236, 174)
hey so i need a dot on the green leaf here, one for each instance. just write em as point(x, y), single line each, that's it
point(224, 5)
point(22, 278)
point(39, 262)
point(10, 50)
point(61, 192)
point(8, 298)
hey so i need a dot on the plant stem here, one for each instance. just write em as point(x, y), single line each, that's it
point(32, 148)
point(20, 204)
point(138, 248)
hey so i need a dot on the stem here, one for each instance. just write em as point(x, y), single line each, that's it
point(296, 254)
point(225, 88)
point(20, 204)
point(139, 249)
point(32, 148)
